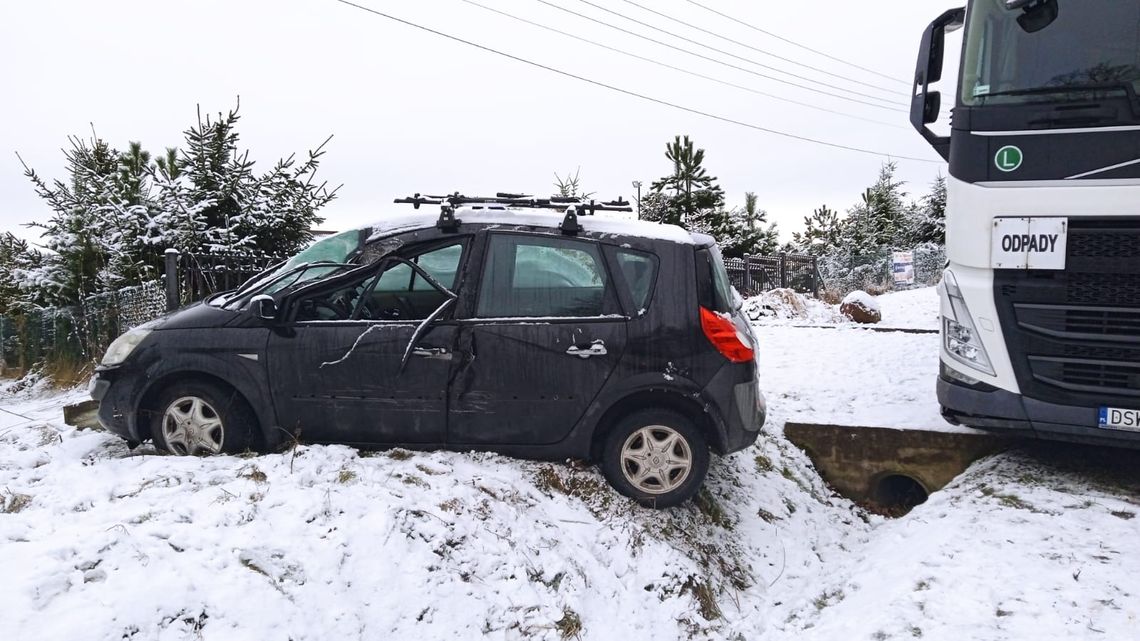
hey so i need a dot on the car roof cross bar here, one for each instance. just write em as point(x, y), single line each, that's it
point(520, 201)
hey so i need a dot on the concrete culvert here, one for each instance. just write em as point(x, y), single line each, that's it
point(897, 494)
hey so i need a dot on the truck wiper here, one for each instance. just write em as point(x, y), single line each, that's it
point(1128, 88)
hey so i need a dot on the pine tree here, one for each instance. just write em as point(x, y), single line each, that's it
point(822, 232)
point(744, 231)
point(693, 193)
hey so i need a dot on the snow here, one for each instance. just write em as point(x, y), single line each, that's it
point(326, 542)
point(915, 309)
point(862, 298)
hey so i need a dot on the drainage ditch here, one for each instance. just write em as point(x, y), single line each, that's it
point(890, 471)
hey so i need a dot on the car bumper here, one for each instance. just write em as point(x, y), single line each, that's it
point(116, 391)
point(741, 406)
point(990, 408)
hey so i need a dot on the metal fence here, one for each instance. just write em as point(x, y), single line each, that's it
point(192, 277)
point(81, 333)
point(752, 275)
point(78, 333)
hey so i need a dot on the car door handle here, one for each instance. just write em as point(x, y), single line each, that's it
point(437, 353)
point(597, 348)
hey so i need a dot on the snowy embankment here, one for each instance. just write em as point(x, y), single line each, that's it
point(97, 542)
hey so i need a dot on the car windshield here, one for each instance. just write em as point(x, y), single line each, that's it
point(319, 260)
point(1050, 51)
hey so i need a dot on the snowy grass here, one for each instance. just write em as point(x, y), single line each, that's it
point(325, 542)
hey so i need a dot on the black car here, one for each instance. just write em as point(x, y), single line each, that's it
point(533, 334)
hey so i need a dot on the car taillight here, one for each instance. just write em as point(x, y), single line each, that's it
point(722, 333)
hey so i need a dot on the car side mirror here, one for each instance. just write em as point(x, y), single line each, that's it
point(264, 307)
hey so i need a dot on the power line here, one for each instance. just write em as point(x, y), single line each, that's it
point(796, 44)
point(716, 61)
point(680, 69)
point(634, 94)
point(767, 53)
point(732, 55)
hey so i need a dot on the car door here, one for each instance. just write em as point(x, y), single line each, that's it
point(341, 367)
point(541, 339)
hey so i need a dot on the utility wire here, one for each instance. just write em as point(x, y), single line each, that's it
point(766, 53)
point(733, 55)
point(634, 94)
point(796, 44)
point(716, 61)
point(680, 69)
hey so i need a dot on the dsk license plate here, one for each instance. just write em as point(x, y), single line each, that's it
point(1114, 418)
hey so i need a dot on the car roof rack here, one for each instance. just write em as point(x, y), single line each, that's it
point(572, 205)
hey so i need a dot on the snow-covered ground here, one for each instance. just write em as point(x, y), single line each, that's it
point(98, 542)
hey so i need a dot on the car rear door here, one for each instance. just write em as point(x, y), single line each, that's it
point(341, 369)
point(541, 339)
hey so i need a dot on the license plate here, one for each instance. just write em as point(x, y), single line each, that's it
point(1113, 418)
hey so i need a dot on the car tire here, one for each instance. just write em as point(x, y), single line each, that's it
point(657, 457)
point(201, 419)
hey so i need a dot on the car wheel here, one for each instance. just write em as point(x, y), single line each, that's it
point(200, 419)
point(657, 457)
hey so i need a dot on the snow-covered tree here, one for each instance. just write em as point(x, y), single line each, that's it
point(694, 200)
point(929, 224)
point(822, 232)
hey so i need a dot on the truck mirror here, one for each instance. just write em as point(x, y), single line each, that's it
point(931, 106)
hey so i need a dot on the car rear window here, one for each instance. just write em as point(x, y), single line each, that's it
point(713, 287)
point(640, 271)
point(527, 276)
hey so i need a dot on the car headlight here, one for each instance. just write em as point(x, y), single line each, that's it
point(122, 346)
point(959, 335)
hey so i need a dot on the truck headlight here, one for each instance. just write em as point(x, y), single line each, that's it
point(122, 346)
point(959, 335)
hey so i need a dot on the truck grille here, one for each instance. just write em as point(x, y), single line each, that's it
point(1074, 335)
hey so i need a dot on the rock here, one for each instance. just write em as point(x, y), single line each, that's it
point(861, 307)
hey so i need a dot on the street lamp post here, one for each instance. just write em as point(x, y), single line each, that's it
point(637, 186)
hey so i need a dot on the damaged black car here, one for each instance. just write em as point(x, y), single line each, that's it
point(494, 326)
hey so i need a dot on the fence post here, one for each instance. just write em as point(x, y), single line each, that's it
point(173, 299)
point(747, 275)
point(783, 270)
point(815, 276)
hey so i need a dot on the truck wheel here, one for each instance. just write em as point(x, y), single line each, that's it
point(200, 419)
point(657, 457)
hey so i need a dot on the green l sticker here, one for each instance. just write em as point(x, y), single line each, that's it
point(1008, 158)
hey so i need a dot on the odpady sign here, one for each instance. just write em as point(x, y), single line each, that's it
point(1029, 242)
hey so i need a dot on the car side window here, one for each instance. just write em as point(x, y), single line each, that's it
point(640, 272)
point(525, 276)
point(397, 293)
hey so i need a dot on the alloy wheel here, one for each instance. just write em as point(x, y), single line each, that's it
point(192, 427)
point(656, 459)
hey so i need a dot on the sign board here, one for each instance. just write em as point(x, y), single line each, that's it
point(902, 268)
point(1029, 243)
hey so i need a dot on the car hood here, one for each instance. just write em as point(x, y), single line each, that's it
point(196, 316)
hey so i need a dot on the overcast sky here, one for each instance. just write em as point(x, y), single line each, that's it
point(412, 111)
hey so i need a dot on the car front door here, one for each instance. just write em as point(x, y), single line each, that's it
point(341, 367)
point(545, 333)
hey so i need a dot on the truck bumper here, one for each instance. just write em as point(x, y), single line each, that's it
point(989, 408)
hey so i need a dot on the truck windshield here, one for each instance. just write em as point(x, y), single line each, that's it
point(1089, 51)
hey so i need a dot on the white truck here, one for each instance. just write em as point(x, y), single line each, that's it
point(1041, 294)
